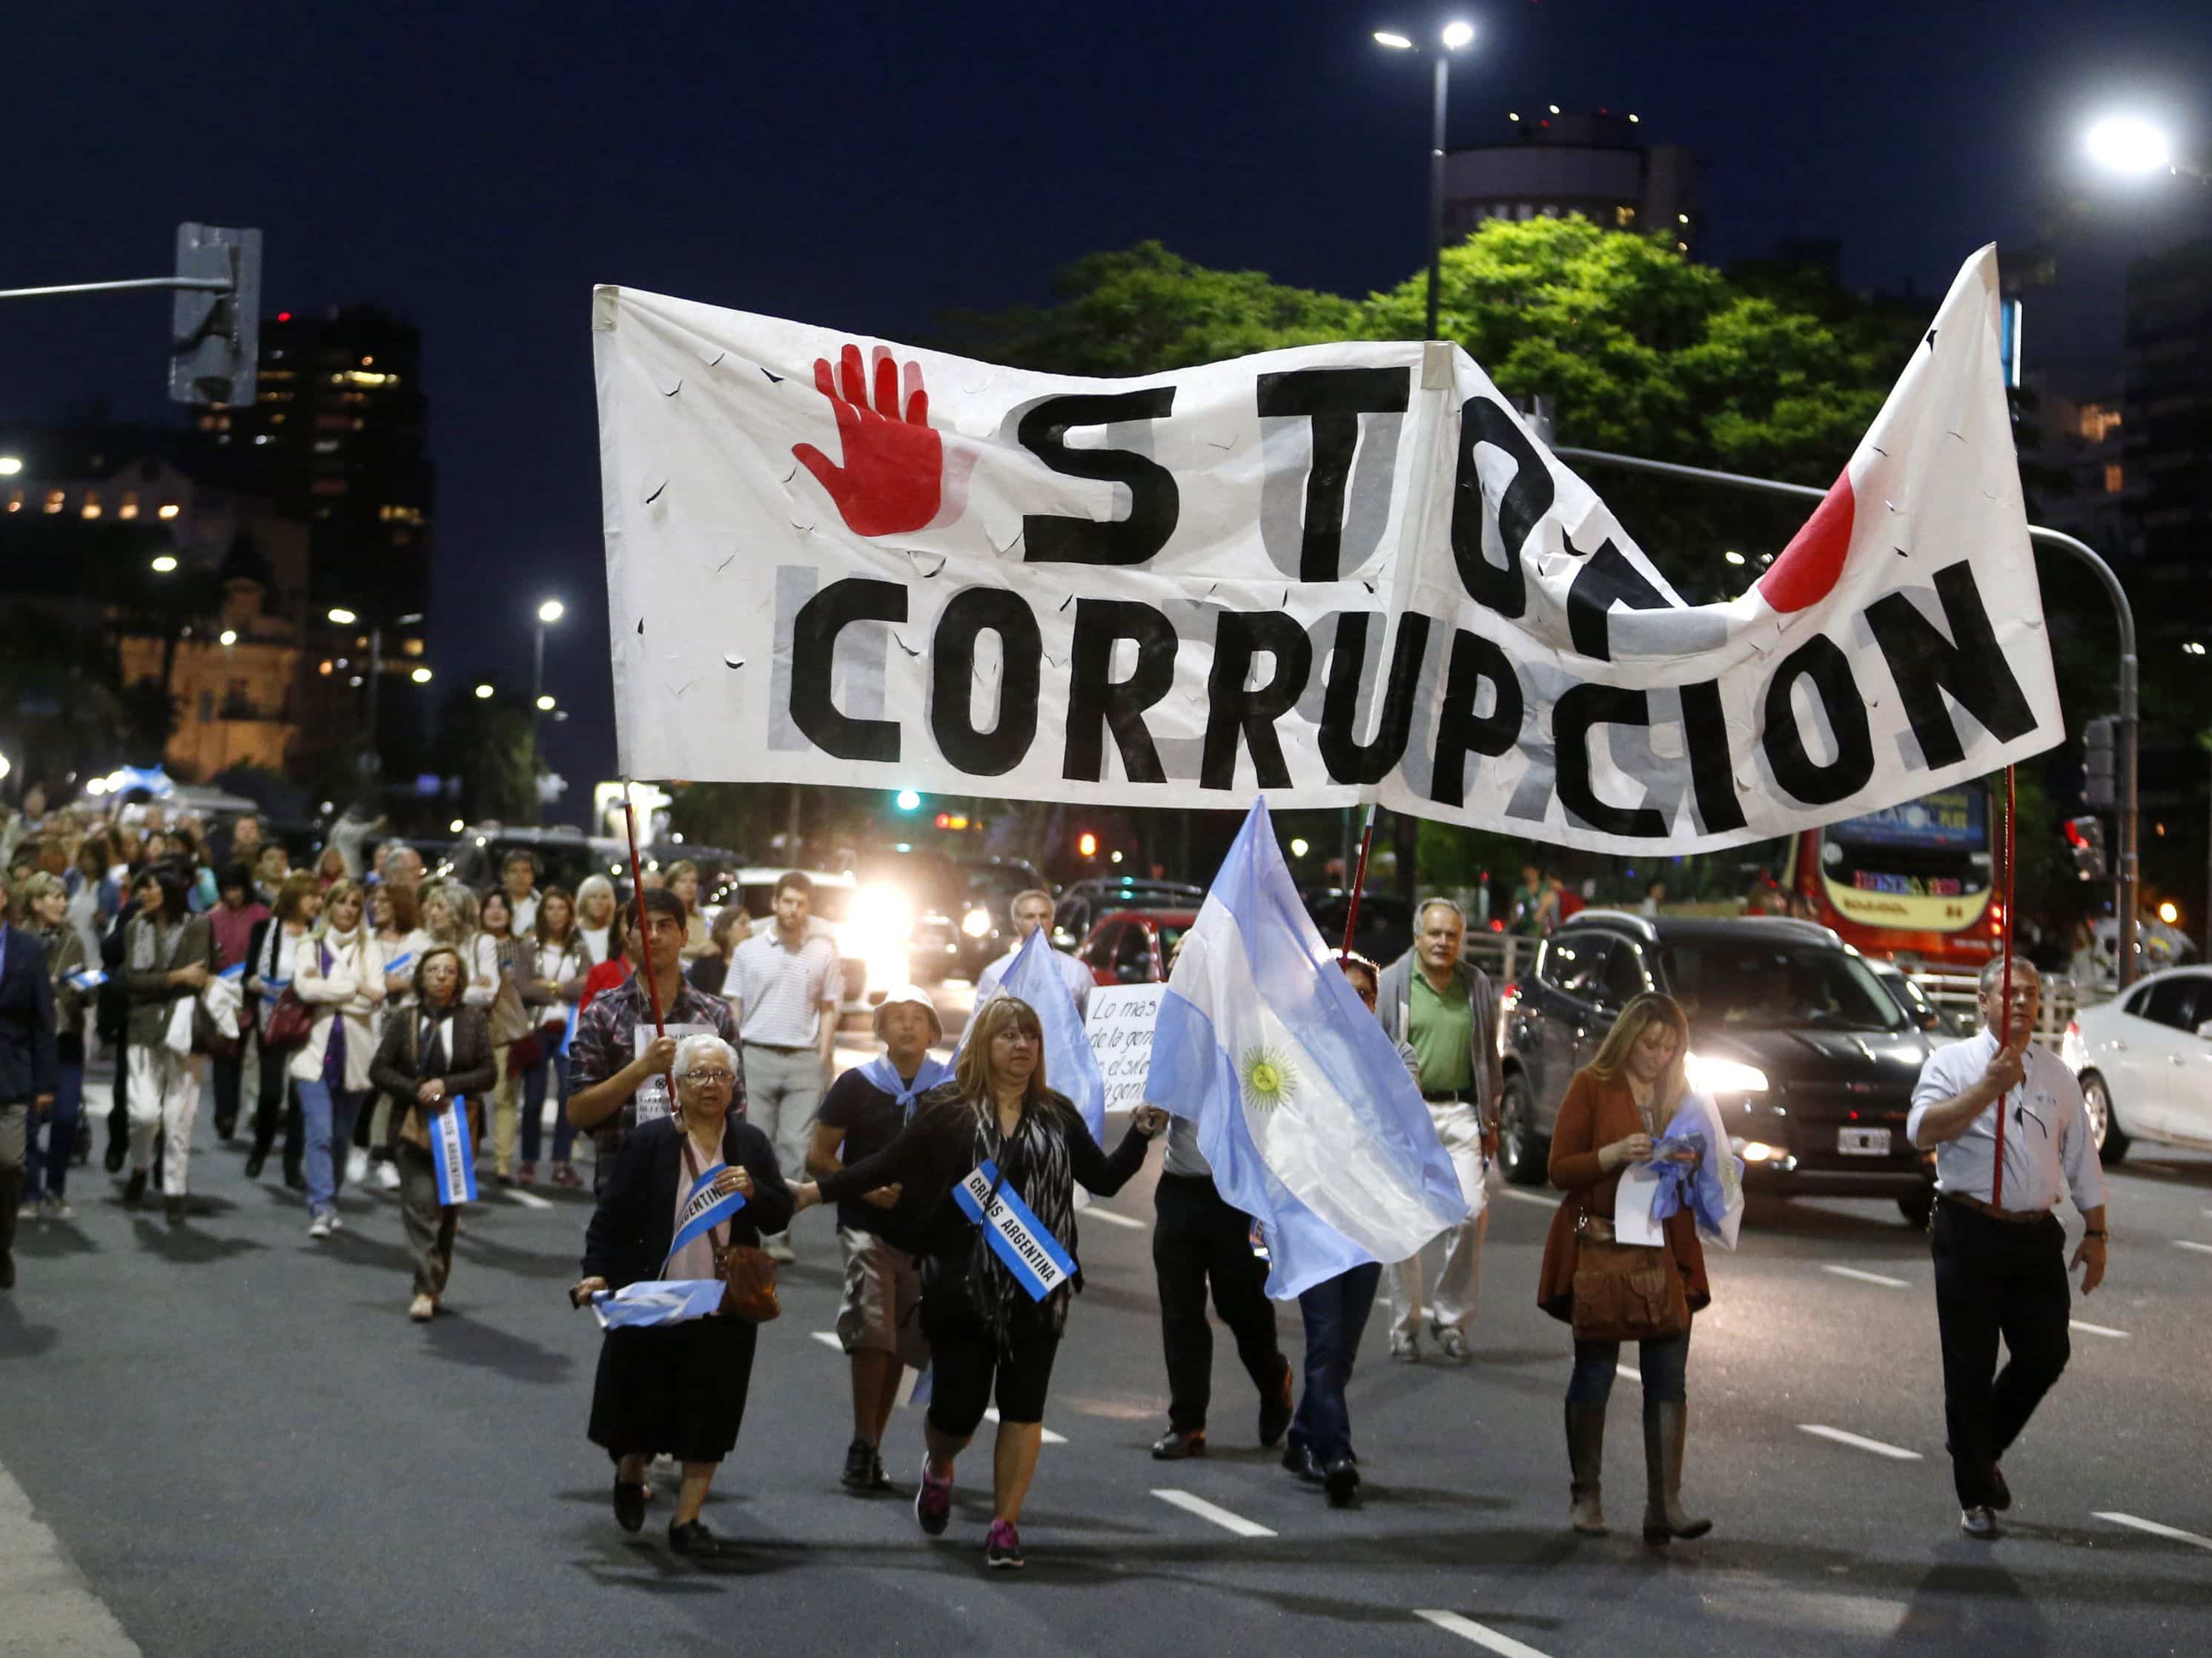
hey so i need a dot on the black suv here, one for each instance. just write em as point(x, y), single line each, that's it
point(1810, 1059)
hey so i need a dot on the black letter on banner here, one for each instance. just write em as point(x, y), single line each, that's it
point(1153, 503)
point(1607, 576)
point(1712, 776)
point(1239, 637)
point(1525, 501)
point(1822, 660)
point(1096, 702)
point(814, 632)
point(1348, 759)
point(1460, 730)
point(1579, 707)
point(1925, 664)
point(1334, 399)
point(952, 669)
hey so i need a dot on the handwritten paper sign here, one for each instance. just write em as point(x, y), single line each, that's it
point(1120, 1027)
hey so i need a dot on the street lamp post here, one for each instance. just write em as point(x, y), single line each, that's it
point(1454, 36)
point(372, 760)
point(548, 613)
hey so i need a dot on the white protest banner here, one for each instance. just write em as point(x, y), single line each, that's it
point(1119, 1026)
point(1333, 574)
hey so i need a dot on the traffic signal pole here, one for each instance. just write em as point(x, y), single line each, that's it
point(2129, 877)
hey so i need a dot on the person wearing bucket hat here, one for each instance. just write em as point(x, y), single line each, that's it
point(879, 1323)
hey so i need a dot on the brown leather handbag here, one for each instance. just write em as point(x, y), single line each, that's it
point(1624, 1291)
point(748, 1275)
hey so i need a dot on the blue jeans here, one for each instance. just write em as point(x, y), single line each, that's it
point(1665, 1364)
point(533, 1108)
point(60, 1146)
point(1335, 1315)
point(327, 1114)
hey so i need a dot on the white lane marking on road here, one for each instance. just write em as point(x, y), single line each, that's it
point(1519, 1196)
point(50, 1606)
point(1858, 1440)
point(2096, 1329)
point(1050, 1437)
point(529, 1200)
point(2155, 1529)
point(828, 1339)
point(1868, 1277)
point(1468, 1629)
point(1206, 1510)
point(2201, 1249)
point(1095, 1212)
point(1632, 1372)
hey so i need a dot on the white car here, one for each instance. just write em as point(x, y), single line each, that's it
point(2145, 1062)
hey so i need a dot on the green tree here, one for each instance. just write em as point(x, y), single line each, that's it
point(485, 742)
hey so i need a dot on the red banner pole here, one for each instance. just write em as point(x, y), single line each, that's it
point(1358, 879)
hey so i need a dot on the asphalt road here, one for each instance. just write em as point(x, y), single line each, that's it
point(245, 1446)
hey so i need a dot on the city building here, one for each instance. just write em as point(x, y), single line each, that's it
point(2084, 442)
point(1596, 164)
point(2165, 433)
point(338, 438)
point(233, 679)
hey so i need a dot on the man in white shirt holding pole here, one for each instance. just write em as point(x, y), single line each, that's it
point(1030, 910)
point(785, 984)
point(2011, 1137)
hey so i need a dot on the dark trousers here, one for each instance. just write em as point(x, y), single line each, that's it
point(1996, 1278)
point(1335, 1315)
point(429, 1224)
point(1664, 1365)
point(1197, 1237)
point(553, 1069)
point(276, 1097)
point(229, 1076)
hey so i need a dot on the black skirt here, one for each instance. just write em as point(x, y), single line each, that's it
point(679, 1389)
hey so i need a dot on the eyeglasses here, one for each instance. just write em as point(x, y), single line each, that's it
point(711, 1078)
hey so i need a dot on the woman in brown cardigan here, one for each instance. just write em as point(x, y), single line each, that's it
point(1614, 1107)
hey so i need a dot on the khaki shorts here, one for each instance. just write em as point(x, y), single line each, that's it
point(882, 1311)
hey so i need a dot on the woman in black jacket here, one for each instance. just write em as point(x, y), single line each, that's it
point(434, 1050)
point(987, 1332)
point(678, 1389)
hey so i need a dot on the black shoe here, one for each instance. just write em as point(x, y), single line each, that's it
point(1342, 1478)
point(7, 1269)
point(692, 1538)
point(1999, 1493)
point(860, 1467)
point(134, 1193)
point(1299, 1460)
point(1173, 1447)
point(1979, 1522)
point(296, 1177)
point(254, 1160)
point(174, 1210)
point(1276, 1409)
point(226, 1130)
point(630, 1505)
point(113, 1160)
point(877, 1480)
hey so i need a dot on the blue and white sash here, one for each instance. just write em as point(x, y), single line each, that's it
point(235, 973)
point(884, 1076)
point(703, 1211)
point(568, 1035)
point(399, 965)
point(90, 979)
point(1017, 1237)
point(450, 1151)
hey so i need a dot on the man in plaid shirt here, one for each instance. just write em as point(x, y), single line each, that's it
point(616, 1081)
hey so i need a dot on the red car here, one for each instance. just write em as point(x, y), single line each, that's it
point(1132, 946)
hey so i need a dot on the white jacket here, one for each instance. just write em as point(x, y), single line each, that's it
point(355, 960)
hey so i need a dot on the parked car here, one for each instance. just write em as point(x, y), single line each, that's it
point(1132, 946)
point(1385, 923)
point(1941, 1026)
point(1810, 1059)
point(564, 854)
point(1084, 903)
point(987, 921)
point(2145, 1062)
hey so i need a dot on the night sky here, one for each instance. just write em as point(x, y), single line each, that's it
point(477, 167)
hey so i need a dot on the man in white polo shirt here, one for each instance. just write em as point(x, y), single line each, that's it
point(1033, 909)
point(785, 984)
point(2011, 1137)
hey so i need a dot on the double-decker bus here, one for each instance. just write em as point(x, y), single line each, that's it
point(1912, 880)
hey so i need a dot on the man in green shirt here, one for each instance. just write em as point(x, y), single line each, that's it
point(1444, 1007)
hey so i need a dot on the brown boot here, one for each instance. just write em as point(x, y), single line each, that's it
point(1586, 1458)
point(1666, 1425)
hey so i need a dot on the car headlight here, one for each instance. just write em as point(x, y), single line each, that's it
point(976, 923)
point(1709, 1074)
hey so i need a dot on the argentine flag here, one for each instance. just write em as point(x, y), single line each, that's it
point(1071, 1067)
point(1303, 1106)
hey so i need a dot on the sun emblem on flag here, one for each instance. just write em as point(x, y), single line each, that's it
point(1268, 1077)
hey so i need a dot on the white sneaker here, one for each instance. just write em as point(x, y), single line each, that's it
point(388, 1176)
point(53, 1208)
point(336, 1224)
point(356, 1166)
point(320, 1226)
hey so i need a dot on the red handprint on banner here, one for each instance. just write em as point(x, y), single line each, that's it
point(892, 481)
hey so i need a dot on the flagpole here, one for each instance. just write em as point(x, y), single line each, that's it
point(1359, 879)
point(637, 910)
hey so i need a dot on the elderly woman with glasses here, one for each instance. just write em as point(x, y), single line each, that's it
point(678, 1389)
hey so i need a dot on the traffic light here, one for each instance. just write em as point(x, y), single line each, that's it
point(2097, 777)
point(1086, 845)
point(2086, 836)
point(214, 337)
point(907, 800)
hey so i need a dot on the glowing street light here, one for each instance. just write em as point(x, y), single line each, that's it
point(551, 610)
point(421, 675)
point(1458, 32)
point(164, 564)
point(1392, 40)
point(9, 467)
point(2122, 143)
point(484, 692)
point(1456, 36)
point(544, 705)
point(344, 618)
point(228, 636)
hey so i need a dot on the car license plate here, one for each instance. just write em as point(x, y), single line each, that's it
point(1862, 1142)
